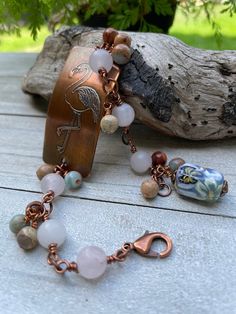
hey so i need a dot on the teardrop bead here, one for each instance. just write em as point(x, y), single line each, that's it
point(53, 182)
point(100, 59)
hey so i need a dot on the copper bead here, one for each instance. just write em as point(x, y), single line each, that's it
point(109, 35)
point(159, 158)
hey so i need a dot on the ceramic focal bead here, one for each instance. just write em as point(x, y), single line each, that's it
point(149, 188)
point(109, 35)
point(92, 262)
point(124, 113)
point(51, 231)
point(140, 161)
point(53, 182)
point(44, 170)
point(121, 54)
point(199, 183)
point(175, 163)
point(17, 223)
point(109, 124)
point(100, 59)
point(27, 238)
point(73, 180)
point(159, 158)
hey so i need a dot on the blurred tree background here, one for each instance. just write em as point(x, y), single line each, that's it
point(209, 24)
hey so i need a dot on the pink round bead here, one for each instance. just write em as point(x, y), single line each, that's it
point(92, 262)
point(53, 182)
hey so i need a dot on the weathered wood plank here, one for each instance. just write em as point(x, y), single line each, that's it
point(15, 64)
point(199, 276)
point(112, 180)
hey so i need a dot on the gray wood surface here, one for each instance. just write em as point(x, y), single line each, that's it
point(199, 276)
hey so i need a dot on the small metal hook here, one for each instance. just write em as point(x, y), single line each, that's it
point(143, 244)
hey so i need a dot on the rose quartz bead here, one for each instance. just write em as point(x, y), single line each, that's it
point(124, 113)
point(53, 182)
point(51, 231)
point(92, 262)
point(140, 161)
point(100, 59)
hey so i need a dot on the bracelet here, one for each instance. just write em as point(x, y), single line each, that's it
point(86, 98)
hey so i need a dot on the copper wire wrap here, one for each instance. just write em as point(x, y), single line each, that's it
point(37, 211)
point(121, 254)
point(128, 140)
point(62, 169)
point(60, 265)
point(158, 173)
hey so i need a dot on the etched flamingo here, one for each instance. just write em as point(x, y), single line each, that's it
point(87, 96)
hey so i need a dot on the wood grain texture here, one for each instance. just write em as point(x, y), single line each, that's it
point(174, 88)
point(199, 276)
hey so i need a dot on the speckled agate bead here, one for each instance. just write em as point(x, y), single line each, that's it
point(121, 54)
point(73, 180)
point(122, 38)
point(43, 170)
point(149, 188)
point(17, 223)
point(27, 238)
point(109, 124)
point(175, 163)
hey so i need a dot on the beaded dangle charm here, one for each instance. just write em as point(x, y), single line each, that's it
point(189, 180)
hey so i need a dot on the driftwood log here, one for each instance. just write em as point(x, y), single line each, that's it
point(174, 88)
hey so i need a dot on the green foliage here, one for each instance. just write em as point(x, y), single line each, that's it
point(122, 14)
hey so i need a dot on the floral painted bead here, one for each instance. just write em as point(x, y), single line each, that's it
point(200, 183)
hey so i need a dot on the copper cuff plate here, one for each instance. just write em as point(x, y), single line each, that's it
point(74, 113)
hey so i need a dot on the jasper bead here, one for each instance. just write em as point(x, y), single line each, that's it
point(121, 54)
point(122, 38)
point(53, 182)
point(17, 223)
point(92, 262)
point(109, 124)
point(149, 188)
point(140, 161)
point(51, 231)
point(27, 238)
point(44, 170)
point(159, 158)
point(175, 163)
point(73, 180)
point(124, 113)
point(109, 35)
point(100, 59)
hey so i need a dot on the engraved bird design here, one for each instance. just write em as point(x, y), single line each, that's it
point(87, 96)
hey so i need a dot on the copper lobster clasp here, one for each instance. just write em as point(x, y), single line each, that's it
point(143, 244)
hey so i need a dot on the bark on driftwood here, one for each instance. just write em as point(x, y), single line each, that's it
point(174, 88)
